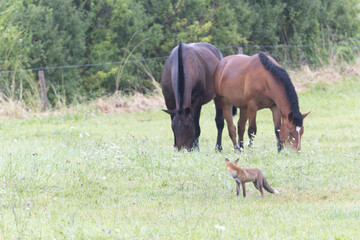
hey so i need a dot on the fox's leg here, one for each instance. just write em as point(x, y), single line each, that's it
point(243, 187)
point(237, 188)
point(255, 184)
point(260, 186)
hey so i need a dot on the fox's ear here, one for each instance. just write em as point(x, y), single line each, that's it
point(226, 160)
point(237, 160)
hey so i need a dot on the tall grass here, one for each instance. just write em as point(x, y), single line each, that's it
point(88, 176)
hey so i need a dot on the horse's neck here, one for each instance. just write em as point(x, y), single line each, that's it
point(284, 108)
point(279, 97)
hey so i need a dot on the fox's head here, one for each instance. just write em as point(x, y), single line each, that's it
point(231, 167)
point(229, 164)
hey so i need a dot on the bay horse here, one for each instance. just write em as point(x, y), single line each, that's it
point(252, 83)
point(187, 85)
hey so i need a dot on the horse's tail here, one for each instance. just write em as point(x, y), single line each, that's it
point(181, 83)
point(280, 74)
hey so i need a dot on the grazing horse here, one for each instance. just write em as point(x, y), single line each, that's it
point(252, 83)
point(187, 85)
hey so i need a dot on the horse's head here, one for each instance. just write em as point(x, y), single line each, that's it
point(290, 134)
point(183, 127)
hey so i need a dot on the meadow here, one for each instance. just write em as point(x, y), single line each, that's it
point(84, 175)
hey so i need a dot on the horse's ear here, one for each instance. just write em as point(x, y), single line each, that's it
point(226, 160)
point(291, 116)
point(171, 112)
point(187, 111)
point(304, 115)
point(237, 160)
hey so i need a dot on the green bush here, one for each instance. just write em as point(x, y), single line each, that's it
point(53, 33)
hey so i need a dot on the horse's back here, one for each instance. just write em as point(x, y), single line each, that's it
point(239, 78)
point(206, 50)
point(200, 60)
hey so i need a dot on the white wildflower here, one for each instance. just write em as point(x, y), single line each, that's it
point(222, 228)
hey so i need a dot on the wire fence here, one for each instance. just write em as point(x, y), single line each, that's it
point(244, 46)
point(97, 79)
point(83, 66)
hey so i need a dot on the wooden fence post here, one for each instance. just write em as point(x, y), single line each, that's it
point(43, 90)
point(240, 50)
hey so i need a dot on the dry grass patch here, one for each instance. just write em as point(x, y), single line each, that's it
point(304, 78)
point(13, 109)
point(129, 103)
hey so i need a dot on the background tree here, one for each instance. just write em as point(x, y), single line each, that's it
point(54, 32)
point(113, 34)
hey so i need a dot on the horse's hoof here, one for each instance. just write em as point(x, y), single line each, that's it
point(239, 148)
point(280, 148)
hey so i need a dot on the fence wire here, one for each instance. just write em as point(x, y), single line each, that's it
point(165, 57)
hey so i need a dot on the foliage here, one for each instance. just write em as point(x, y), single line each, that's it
point(55, 33)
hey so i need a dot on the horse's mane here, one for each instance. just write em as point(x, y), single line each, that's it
point(284, 78)
point(181, 81)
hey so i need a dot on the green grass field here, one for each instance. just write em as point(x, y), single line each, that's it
point(87, 176)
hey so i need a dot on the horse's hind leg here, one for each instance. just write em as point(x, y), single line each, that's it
point(241, 127)
point(277, 124)
point(227, 111)
point(251, 113)
point(219, 120)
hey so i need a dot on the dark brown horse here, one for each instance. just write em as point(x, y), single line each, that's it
point(252, 83)
point(186, 86)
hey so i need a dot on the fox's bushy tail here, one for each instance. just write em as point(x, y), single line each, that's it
point(268, 187)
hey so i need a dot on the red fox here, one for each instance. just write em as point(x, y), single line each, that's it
point(244, 175)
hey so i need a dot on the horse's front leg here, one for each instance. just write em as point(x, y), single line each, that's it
point(277, 124)
point(241, 127)
point(251, 113)
point(196, 118)
point(172, 117)
point(219, 120)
